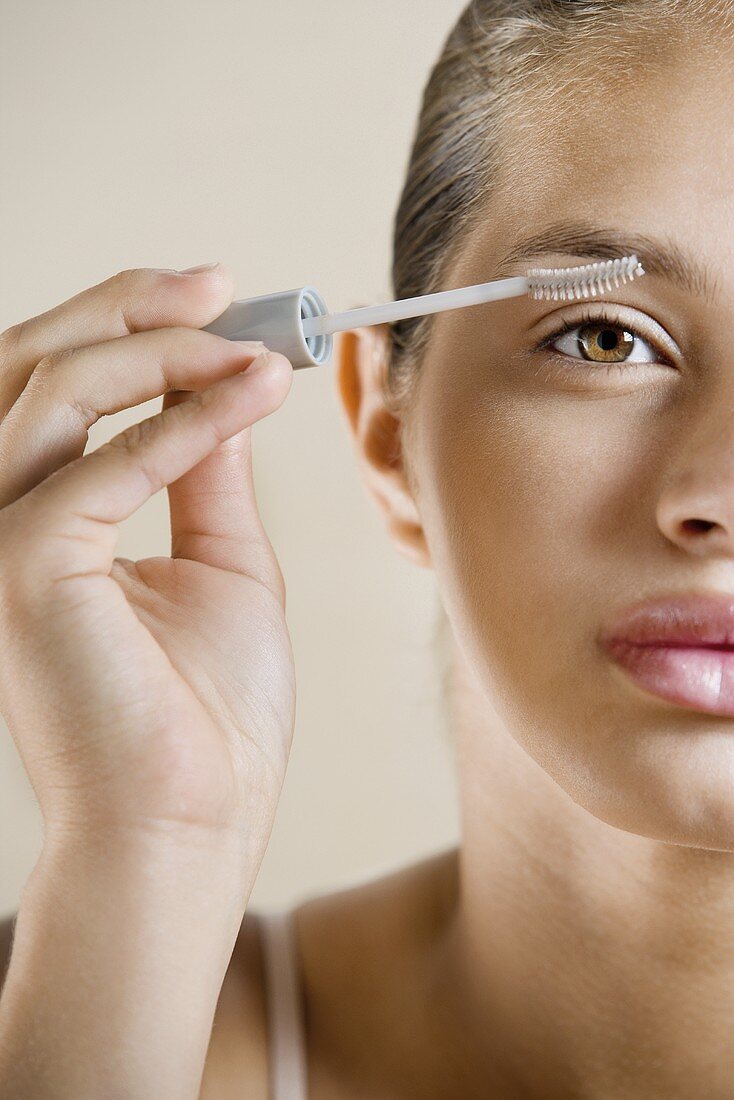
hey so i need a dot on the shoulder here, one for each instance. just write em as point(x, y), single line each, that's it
point(364, 952)
point(358, 951)
point(385, 913)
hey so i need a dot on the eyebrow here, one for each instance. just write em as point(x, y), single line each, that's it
point(662, 258)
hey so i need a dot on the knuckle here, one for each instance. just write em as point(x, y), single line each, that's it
point(49, 364)
point(133, 438)
point(51, 384)
point(126, 288)
point(123, 284)
point(132, 278)
point(131, 292)
point(205, 398)
point(131, 446)
point(182, 416)
point(9, 341)
point(128, 277)
point(207, 401)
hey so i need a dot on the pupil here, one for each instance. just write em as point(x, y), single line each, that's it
point(607, 339)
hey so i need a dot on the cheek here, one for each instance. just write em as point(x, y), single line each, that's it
point(534, 507)
point(539, 510)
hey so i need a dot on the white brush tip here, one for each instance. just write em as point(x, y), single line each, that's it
point(579, 282)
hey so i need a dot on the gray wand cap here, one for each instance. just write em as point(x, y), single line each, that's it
point(276, 319)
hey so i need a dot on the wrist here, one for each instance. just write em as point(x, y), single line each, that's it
point(121, 944)
point(151, 868)
point(130, 846)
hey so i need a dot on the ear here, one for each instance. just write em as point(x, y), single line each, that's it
point(361, 370)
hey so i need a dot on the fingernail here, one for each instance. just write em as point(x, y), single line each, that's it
point(198, 268)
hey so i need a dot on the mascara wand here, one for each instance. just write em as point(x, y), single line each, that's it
point(298, 324)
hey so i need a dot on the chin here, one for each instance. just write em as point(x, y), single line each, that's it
point(672, 784)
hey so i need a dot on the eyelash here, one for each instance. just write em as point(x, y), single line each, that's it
point(600, 316)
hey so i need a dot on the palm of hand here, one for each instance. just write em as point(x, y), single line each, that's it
point(180, 679)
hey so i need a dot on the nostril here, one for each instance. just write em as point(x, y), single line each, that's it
point(694, 525)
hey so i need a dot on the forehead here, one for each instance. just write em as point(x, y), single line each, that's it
point(653, 151)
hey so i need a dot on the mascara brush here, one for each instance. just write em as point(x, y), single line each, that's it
point(298, 324)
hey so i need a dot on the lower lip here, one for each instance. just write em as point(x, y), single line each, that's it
point(692, 676)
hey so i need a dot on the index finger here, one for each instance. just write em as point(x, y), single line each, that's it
point(130, 301)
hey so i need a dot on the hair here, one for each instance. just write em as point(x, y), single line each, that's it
point(477, 115)
point(502, 57)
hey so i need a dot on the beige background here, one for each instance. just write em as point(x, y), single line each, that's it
point(274, 137)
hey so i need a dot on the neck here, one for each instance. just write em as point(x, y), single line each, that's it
point(581, 961)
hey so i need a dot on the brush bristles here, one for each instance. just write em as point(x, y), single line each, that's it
point(568, 283)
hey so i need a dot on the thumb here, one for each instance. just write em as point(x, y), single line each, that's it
point(70, 519)
point(214, 512)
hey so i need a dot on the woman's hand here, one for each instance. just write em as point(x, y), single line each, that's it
point(153, 695)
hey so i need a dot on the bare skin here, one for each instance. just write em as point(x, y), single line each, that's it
point(579, 942)
point(567, 949)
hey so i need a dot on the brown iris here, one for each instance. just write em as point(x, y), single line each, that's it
point(605, 343)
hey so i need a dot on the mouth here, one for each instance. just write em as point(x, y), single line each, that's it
point(679, 648)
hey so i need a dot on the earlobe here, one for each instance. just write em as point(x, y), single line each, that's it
point(361, 363)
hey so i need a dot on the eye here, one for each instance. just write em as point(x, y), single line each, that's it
point(605, 340)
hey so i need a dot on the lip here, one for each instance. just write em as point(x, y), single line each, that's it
point(680, 648)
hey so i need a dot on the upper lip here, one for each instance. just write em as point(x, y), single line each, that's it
point(689, 619)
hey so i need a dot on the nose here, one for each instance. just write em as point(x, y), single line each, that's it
point(695, 509)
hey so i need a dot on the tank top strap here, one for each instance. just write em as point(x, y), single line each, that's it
point(285, 1027)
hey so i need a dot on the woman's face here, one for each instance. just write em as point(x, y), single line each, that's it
point(555, 490)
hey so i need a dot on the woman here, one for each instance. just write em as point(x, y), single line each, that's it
point(558, 465)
